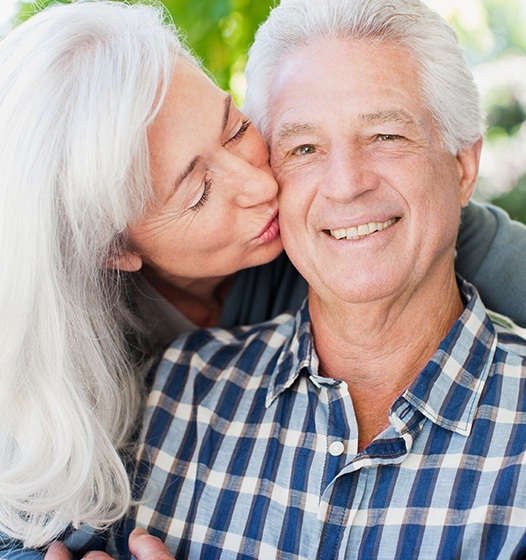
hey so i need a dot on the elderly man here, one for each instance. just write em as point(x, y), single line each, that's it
point(387, 419)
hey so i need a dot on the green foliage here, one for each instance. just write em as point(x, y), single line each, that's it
point(514, 201)
point(219, 33)
point(499, 43)
point(507, 21)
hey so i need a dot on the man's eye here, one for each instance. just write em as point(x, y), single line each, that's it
point(386, 137)
point(240, 133)
point(304, 150)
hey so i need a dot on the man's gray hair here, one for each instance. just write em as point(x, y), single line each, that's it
point(447, 83)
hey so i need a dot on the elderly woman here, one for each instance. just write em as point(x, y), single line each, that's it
point(133, 194)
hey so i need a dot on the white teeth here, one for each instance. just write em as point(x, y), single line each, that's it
point(362, 230)
point(339, 233)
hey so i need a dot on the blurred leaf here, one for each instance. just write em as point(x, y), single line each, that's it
point(507, 116)
point(220, 32)
point(514, 201)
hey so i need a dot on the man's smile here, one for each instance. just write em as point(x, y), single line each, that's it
point(361, 231)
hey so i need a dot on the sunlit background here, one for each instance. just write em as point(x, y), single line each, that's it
point(7, 9)
point(492, 32)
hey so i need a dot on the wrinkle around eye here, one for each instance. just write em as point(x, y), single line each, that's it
point(283, 166)
point(154, 226)
point(303, 154)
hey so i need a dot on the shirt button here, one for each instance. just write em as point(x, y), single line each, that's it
point(336, 448)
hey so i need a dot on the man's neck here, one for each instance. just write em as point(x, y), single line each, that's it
point(378, 348)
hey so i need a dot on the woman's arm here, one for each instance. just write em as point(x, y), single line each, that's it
point(491, 254)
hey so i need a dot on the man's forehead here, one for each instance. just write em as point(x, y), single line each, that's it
point(357, 78)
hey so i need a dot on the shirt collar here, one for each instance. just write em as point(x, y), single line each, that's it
point(447, 390)
point(297, 354)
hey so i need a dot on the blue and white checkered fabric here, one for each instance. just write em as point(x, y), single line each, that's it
point(249, 453)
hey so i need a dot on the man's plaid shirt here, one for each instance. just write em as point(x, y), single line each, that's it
point(249, 453)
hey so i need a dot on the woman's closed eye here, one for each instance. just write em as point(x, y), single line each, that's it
point(240, 133)
point(207, 185)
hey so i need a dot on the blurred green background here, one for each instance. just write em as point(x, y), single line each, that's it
point(492, 32)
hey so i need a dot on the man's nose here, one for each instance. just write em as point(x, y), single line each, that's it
point(348, 174)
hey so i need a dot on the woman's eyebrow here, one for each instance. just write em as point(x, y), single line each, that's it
point(227, 104)
point(226, 112)
point(190, 167)
point(180, 178)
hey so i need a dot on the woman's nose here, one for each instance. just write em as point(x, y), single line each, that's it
point(255, 183)
point(255, 186)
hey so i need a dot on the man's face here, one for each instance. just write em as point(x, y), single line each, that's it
point(369, 201)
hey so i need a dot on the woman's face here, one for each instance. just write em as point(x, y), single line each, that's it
point(216, 206)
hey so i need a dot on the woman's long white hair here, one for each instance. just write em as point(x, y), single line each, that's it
point(79, 86)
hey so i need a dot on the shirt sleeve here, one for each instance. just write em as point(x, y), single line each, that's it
point(491, 252)
point(11, 549)
point(78, 541)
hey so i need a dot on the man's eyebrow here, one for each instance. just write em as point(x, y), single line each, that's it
point(290, 130)
point(388, 116)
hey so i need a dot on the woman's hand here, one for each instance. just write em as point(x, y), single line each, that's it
point(142, 545)
point(145, 547)
point(57, 551)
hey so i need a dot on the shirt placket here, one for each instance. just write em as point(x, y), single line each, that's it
point(347, 480)
point(335, 413)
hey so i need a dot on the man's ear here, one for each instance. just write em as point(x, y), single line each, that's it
point(468, 164)
point(127, 262)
